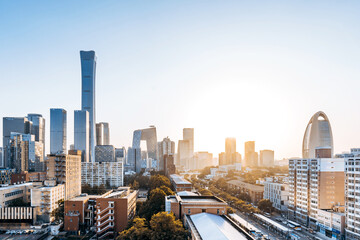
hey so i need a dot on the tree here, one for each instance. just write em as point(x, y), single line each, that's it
point(154, 204)
point(265, 205)
point(167, 190)
point(165, 227)
point(58, 213)
point(135, 185)
point(138, 231)
point(205, 192)
point(158, 180)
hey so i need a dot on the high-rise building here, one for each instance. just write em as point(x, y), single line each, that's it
point(105, 153)
point(81, 133)
point(314, 184)
point(352, 171)
point(222, 158)
point(102, 134)
point(58, 123)
point(267, 158)
point(165, 147)
point(120, 153)
point(202, 160)
point(317, 135)
point(186, 149)
point(11, 124)
point(251, 157)
point(88, 74)
point(230, 150)
point(66, 169)
point(38, 128)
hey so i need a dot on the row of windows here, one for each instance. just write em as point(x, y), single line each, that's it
point(14, 193)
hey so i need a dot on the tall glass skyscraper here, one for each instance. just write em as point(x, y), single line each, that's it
point(57, 131)
point(38, 128)
point(81, 133)
point(88, 73)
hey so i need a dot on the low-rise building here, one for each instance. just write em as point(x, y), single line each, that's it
point(25, 176)
point(46, 198)
point(188, 205)
point(13, 193)
point(331, 223)
point(103, 173)
point(256, 192)
point(179, 183)
point(108, 213)
point(278, 194)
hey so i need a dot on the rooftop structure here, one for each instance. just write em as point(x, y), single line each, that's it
point(180, 183)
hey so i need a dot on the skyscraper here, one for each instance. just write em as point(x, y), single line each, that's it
point(251, 157)
point(186, 149)
point(106, 133)
point(88, 73)
point(230, 150)
point(11, 124)
point(38, 128)
point(318, 135)
point(165, 147)
point(57, 131)
point(81, 133)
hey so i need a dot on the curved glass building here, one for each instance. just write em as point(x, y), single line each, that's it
point(318, 139)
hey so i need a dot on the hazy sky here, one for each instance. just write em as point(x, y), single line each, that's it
point(254, 70)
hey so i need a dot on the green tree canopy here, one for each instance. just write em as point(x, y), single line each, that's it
point(138, 231)
point(158, 180)
point(265, 205)
point(165, 227)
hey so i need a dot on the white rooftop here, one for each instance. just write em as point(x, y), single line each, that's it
point(271, 222)
point(214, 227)
point(187, 193)
point(179, 179)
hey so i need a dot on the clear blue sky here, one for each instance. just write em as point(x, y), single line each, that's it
point(254, 70)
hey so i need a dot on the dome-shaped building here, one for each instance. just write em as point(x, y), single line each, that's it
point(318, 139)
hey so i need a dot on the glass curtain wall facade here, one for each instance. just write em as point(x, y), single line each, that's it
point(38, 128)
point(88, 73)
point(81, 133)
point(57, 131)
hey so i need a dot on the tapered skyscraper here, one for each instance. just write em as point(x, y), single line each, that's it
point(88, 73)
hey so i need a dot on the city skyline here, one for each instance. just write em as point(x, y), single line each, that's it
point(233, 87)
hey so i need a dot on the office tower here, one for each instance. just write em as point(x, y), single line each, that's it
point(102, 134)
point(266, 158)
point(352, 171)
point(222, 158)
point(1, 155)
point(202, 160)
point(230, 150)
point(120, 153)
point(88, 74)
point(105, 153)
point(186, 149)
point(110, 174)
point(318, 135)
point(81, 133)
point(149, 136)
point(134, 159)
point(165, 147)
point(251, 157)
point(11, 124)
point(38, 128)
point(58, 131)
point(169, 165)
point(314, 184)
point(66, 169)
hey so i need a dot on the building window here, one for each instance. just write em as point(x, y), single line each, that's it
point(189, 211)
point(203, 210)
point(218, 211)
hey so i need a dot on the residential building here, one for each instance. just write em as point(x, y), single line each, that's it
point(317, 135)
point(9, 194)
point(256, 192)
point(189, 205)
point(58, 126)
point(109, 174)
point(24, 177)
point(267, 158)
point(278, 194)
point(66, 169)
point(82, 134)
point(46, 198)
point(313, 185)
point(105, 153)
point(109, 213)
point(88, 76)
point(120, 153)
point(180, 183)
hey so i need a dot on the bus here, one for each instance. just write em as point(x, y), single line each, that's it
point(294, 225)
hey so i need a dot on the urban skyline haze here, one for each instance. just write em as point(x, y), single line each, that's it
point(227, 69)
